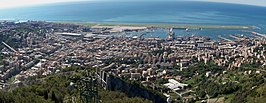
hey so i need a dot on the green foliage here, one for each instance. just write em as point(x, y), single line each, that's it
point(201, 68)
point(251, 66)
point(118, 97)
point(252, 90)
point(213, 86)
point(257, 95)
point(214, 89)
point(56, 89)
point(162, 81)
point(6, 97)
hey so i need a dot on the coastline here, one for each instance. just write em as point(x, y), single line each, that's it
point(175, 26)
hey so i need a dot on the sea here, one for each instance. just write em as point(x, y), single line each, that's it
point(157, 12)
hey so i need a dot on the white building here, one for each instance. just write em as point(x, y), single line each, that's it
point(175, 85)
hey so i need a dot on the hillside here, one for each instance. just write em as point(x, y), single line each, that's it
point(56, 89)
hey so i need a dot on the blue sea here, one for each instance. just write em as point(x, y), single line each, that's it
point(165, 12)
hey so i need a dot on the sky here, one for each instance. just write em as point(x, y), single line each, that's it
point(19, 3)
point(248, 2)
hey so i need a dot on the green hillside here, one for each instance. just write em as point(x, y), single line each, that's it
point(56, 89)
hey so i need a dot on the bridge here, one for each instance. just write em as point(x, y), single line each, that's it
point(88, 86)
point(102, 78)
point(9, 47)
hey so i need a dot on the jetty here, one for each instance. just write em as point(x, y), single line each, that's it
point(235, 37)
point(223, 38)
point(259, 34)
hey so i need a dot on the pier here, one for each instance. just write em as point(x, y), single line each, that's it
point(235, 37)
point(259, 34)
point(225, 38)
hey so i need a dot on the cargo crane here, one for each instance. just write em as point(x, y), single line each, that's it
point(171, 34)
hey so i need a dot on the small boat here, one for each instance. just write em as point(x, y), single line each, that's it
point(187, 29)
point(255, 33)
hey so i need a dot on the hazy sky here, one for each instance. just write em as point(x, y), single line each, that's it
point(249, 2)
point(17, 3)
